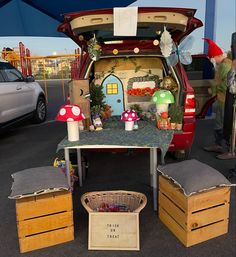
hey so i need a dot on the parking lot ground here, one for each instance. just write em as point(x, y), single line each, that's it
point(35, 145)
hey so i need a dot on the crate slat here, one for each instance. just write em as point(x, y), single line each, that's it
point(205, 233)
point(46, 239)
point(173, 192)
point(170, 207)
point(30, 207)
point(208, 198)
point(173, 226)
point(46, 223)
point(208, 216)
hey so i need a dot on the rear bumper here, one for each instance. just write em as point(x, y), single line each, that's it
point(184, 140)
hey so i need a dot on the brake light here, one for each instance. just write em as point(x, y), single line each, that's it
point(190, 104)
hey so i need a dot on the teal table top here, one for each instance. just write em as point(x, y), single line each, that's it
point(114, 134)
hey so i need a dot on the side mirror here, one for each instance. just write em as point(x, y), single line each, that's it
point(29, 79)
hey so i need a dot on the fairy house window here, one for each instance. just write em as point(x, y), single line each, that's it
point(112, 89)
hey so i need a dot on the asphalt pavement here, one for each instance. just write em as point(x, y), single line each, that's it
point(30, 145)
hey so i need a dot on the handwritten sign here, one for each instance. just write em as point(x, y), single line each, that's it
point(116, 230)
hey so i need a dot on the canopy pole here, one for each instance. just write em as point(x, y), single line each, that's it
point(210, 22)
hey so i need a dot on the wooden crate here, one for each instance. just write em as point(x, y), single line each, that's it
point(197, 218)
point(113, 231)
point(44, 220)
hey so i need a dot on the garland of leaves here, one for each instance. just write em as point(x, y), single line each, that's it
point(154, 78)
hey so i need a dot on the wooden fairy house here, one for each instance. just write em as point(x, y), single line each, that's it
point(127, 81)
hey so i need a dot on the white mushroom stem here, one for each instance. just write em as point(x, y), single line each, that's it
point(161, 108)
point(129, 125)
point(73, 130)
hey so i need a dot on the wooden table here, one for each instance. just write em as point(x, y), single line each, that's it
point(114, 136)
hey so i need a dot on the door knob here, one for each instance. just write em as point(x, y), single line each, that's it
point(118, 101)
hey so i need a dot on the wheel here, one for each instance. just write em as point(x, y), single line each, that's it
point(182, 155)
point(40, 113)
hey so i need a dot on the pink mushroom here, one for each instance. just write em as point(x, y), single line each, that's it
point(129, 117)
point(71, 114)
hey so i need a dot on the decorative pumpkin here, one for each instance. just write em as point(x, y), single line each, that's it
point(163, 122)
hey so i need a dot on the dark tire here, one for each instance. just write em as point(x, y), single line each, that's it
point(182, 155)
point(40, 113)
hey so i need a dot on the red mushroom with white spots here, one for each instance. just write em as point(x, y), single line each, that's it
point(71, 114)
point(129, 117)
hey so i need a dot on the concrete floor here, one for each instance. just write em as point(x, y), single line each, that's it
point(32, 146)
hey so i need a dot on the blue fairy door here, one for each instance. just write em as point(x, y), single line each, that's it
point(114, 95)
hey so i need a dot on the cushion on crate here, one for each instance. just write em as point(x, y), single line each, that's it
point(35, 181)
point(193, 176)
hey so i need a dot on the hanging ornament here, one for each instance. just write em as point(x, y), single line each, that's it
point(81, 37)
point(166, 43)
point(115, 51)
point(94, 49)
point(155, 42)
point(182, 52)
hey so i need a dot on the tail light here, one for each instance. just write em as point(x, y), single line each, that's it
point(190, 104)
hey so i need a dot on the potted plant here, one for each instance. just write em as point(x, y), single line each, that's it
point(137, 108)
point(176, 116)
point(172, 115)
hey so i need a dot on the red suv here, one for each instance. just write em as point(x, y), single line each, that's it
point(129, 62)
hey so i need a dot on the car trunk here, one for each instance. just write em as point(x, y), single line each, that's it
point(130, 64)
point(82, 26)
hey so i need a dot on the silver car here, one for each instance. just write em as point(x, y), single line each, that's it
point(20, 97)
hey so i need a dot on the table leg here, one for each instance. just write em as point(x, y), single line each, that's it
point(67, 160)
point(79, 165)
point(154, 177)
point(151, 167)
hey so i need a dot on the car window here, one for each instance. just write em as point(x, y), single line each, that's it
point(10, 73)
point(200, 69)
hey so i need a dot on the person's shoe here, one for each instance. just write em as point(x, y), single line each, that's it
point(226, 156)
point(214, 148)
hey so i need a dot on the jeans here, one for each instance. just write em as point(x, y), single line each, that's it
point(218, 108)
point(219, 136)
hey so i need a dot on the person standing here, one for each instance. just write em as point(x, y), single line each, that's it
point(222, 66)
point(228, 113)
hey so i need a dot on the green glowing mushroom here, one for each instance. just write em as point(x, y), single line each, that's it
point(162, 98)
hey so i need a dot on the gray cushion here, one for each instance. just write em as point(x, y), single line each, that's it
point(193, 176)
point(35, 181)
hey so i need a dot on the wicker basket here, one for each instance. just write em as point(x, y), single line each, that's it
point(113, 230)
point(135, 201)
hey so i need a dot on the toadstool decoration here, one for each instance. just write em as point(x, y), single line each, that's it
point(129, 117)
point(162, 98)
point(71, 114)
